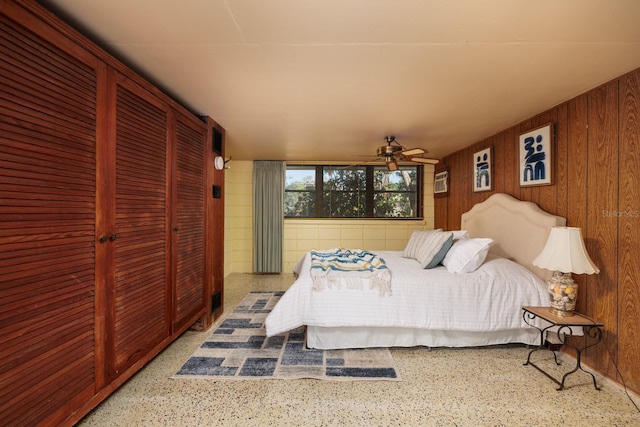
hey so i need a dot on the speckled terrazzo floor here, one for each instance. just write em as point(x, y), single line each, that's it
point(442, 387)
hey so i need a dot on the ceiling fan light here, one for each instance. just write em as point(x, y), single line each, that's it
point(392, 166)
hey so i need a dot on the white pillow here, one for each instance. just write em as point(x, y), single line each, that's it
point(416, 239)
point(466, 255)
point(433, 248)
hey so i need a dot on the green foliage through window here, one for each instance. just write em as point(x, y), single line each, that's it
point(321, 191)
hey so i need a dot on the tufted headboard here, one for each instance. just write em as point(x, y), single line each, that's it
point(519, 229)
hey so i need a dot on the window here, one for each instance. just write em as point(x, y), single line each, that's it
point(321, 191)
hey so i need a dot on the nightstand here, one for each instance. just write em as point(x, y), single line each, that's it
point(564, 325)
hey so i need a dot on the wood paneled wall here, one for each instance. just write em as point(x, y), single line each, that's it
point(596, 186)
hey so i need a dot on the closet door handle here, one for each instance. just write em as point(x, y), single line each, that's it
point(175, 228)
point(102, 239)
point(113, 237)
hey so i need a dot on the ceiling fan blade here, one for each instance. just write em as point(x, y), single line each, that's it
point(412, 152)
point(425, 160)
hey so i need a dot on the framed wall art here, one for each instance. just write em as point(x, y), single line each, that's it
point(441, 182)
point(482, 180)
point(535, 151)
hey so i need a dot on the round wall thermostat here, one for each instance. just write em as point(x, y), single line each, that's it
point(218, 162)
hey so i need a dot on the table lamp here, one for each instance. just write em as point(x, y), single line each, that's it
point(564, 253)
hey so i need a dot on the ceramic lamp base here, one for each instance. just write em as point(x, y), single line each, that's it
point(563, 293)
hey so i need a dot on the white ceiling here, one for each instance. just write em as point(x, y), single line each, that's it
point(328, 79)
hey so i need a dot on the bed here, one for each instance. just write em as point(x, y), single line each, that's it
point(433, 307)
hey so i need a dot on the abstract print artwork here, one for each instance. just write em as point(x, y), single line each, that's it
point(535, 149)
point(482, 170)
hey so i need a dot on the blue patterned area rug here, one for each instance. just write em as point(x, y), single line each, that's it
point(239, 350)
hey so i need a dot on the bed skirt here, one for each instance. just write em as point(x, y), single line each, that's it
point(363, 337)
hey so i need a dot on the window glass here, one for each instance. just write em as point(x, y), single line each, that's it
point(323, 191)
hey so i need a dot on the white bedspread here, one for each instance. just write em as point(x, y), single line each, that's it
point(489, 299)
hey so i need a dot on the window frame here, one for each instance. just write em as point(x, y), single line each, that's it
point(369, 192)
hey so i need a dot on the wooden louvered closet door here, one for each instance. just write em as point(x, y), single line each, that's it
point(102, 220)
point(190, 283)
point(140, 299)
point(47, 226)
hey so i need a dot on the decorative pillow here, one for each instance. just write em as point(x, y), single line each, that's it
point(460, 234)
point(433, 248)
point(466, 255)
point(411, 250)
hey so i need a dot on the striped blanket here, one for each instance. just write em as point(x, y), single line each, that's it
point(352, 268)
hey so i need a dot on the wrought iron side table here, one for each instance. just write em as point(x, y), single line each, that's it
point(591, 328)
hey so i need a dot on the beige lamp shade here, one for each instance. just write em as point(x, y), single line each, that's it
point(565, 252)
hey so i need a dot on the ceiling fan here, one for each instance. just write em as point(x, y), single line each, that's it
point(393, 152)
